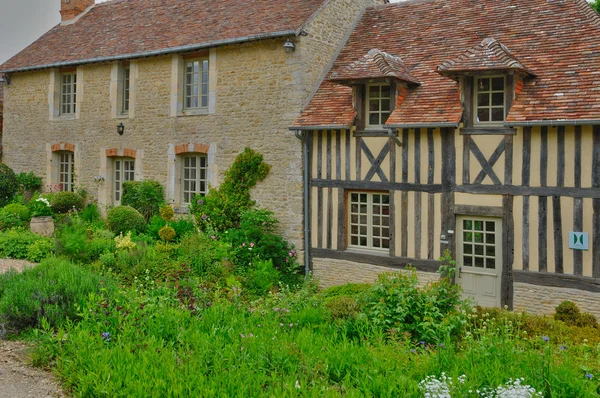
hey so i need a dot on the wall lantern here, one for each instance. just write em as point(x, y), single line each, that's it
point(120, 129)
point(289, 46)
point(4, 80)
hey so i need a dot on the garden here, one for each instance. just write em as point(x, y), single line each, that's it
point(144, 302)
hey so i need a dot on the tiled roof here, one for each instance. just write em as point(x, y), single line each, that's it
point(129, 27)
point(490, 54)
point(557, 40)
point(375, 65)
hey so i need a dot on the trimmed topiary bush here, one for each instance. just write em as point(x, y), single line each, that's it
point(122, 219)
point(145, 196)
point(569, 313)
point(9, 185)
point(64, 202)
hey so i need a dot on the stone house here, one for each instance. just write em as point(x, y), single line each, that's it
point(171, 90)
point(468, 126)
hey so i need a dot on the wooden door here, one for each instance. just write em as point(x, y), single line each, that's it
point(479, 258)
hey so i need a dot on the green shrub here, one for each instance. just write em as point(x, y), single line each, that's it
point(64, 202)
point(39, 206)
point(200, 252)
point(39, 250)
point(91, 213)
point(262, 278)
point(9, 185)
point(183, 227)
point(55, 290)
point(343, 307)
point(167, 233)
point(429, 314)
point(166, 212)
point(29, 181)
point(14, 215)
point(15, 243)
point(221, 208)
point(145, 196)
point(154, 225)
point(349, 290)
point(122, 219)
point(569, 313)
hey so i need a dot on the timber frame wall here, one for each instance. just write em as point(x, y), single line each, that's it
point(542, 181)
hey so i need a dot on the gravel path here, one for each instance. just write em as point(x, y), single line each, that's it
point(17, 378)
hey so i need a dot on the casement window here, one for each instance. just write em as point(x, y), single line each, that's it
point(479, 243)
point(489, 100)
point(124, 170)
point(66, 170)
point(125, 89)
point(369, 221)
point(68, 93)
point(195, 83)
point(193, 176)
point(378, 105)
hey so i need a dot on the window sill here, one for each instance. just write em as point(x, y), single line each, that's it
point(374, 252)
point(64, 117)
point(122, 116)
point(181, 209)
point(193, 112)
point(374, 133)
point(485, 130)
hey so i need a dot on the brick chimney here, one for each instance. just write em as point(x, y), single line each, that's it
point(69, 9)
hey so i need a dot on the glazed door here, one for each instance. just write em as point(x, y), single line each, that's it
point(479, 258)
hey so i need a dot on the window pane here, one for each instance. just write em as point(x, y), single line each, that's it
point(478, 225)
point(483, 114)
point(490, 226)
point(385, 91)
point(374, 105)
point(468, 261)
point(498, 99)
point(483, 84)
point(479, 250)
point(490, 263)
point(490, 238)
point(490, 251)
point(385, 105)
point(468, 237)
point(467, 224)
point(483, 99)
point(497, 114)
point(498, 83)
point(479, 262)
point(468, 249)
point(478, 237)
point(374, 91)
point(374, 119)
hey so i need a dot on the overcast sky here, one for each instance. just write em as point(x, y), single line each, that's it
point(23, 21)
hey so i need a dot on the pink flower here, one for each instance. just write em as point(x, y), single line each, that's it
point(243, 245)
point(213, 237)
point(251, 244)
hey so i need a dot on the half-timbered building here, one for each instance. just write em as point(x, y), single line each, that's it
point(468, 126)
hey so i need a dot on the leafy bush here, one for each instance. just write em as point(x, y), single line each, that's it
point(145, 196)
point(91, 213)
point(221, 208)
point(39, 206)
point(343, 307)
point(201, 253)
point(123, 219)
point(262, 278)
point(29, 181)
point(167, 233)
point(55, 290)
point(429, 314)
point(16, 243)
point(183, 227)
point(167, 213)
point(9, 185)
point(569, 313)
point(64, 202)
point(155, 224)
point(14, 215)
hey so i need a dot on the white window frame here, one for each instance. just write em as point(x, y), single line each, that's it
point(66, 170)
point(197, 176)
point(125, 90)
point(68, 93)
point(123, 170)
point(490, 107)
point(363, 224)
point(380, 111)
point(196, 83)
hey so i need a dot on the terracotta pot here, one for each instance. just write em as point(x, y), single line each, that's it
point(42, 226)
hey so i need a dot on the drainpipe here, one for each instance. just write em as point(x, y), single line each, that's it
point(303, 136)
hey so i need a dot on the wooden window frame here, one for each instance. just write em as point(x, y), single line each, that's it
point(66, 170)
point(469, 92)
point(201, 183)
point(369, 247)
point(125, 89)
point(118, 192)
point(380, 99)
point(71, 104)
point(202, 84)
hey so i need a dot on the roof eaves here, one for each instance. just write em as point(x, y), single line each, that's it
point(320, 127)
point(189, 47)
point(419, 125)
point(554, 122)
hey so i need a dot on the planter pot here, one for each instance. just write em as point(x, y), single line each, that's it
point(42, 226)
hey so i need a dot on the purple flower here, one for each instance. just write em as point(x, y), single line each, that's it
point(276, 309)
point(546, 339)
point(413, 350)
point(441, 345)
point(589, 376)
point(200, 202)
point(422, 342)
point(204, 216)
point(242, 336)
point(563, 347)
point(106, 336)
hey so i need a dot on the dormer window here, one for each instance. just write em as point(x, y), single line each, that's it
point(490, 100)
point(379, 100)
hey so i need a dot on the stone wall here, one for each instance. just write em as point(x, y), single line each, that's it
point(260, 91)
point(329, 272)
point(544, 299)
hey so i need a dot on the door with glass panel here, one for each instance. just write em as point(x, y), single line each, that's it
point(479, 258)
point(193, 181)
point(124, 171)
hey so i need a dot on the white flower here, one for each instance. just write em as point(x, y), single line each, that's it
point(43, 200)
